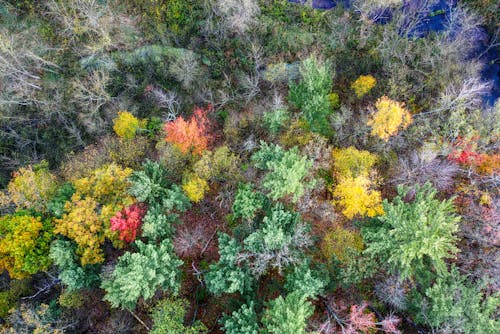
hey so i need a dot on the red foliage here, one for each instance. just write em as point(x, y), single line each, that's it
point(463, 152)
point(128, 221)
point(190, 135)
point(360, 320)
point(390, 324)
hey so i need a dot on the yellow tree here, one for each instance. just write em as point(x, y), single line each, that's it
point(363, 85)
point(390, 117)
point(126, 125)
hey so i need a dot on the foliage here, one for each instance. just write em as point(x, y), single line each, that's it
point(168, 318)
point(389, 118)
point(416, 236)
point(305, 281)
point(195, 187)
point(242, 321)
point(24, 244)
point(128, 222)
point(227, 276)
point(286, 170)
point(189, 136)
point(453, 304)
point(352, 162)
point(9, 298)
point(62, 195)
point(310, 95)
point(247, 202)
point(71, 299)
point(288, 315)
point(31, 187)
point(356, 197)
point(275, 119)
point(71, 274)
point(41, 319)
point(139, 275)
point(336, 242)
point(363, 85)
point(126, 125)
point(218, 165)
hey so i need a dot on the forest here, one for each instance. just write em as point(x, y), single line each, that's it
point(250, 166)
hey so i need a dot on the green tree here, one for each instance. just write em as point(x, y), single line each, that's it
point(414, 237)
point(140, 274)
point(310, 95)
point(71, 274)
point(457, 306)
point(168, 318)
point(247, 202)
point(288, 315)
point(306, 281)
point(286, 170)
point(242, 321)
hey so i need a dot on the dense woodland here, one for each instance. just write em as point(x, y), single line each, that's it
point(249, 166)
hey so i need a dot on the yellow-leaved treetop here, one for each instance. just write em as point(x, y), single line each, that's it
point(353, 192)
point(97, 199)
point(363, 85)
point(390, 117)
point(126, 125)
point(195, 187)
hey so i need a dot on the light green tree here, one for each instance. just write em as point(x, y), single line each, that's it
point(287, 315)
point(242, 321)
point(168, 318)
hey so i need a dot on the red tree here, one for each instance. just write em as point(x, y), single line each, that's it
point(190, 135)
point(128, 221)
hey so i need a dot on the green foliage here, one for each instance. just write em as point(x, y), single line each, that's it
point(274, 120)
point(71, 274)
point(306, 281)
point(226, 276)
point(24, 244)
point(242, 321)
point(63, 194)
point(310, 95)
point(453, 304)
point(139, 275)
point(289, 315)
point(168, 318)
point(286, 170)
point(9, 298)
point(414, 237)
point(71, 299)
point(218, 165)
point(157, 223)
point(247, 202)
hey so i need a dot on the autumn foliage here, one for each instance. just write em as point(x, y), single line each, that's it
point(128, 222)
point(363, 85)
point(390, 117)
point(126, 125)
point(192, 135)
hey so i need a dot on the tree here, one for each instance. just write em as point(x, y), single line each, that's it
point(247, 202)
point(414, 237)
point(218, 165)
point(195, 187)
point(363, 85)
point(286, 170)
point(226, 276)
point(305, 281)
point(310, 95)
point(352, 162)
point(389, 118)
point(242, 321)
point(24, 244)
point(71, 273)
point(191, 135)
point(168, 318)
point(452, 304)
point(126, 125)
point(356, 197)
point(128, 222)
point(139, 275)
point(31, 187)
point(289, 315)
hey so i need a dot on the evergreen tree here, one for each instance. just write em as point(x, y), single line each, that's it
point(242, 321)
point(288, 315)
point(168, 318)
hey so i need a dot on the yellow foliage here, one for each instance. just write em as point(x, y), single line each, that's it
point(195, 188)
point(98, 197)
point(338, 240)
point(126, 125)
point(389, 118)
point(30, 188)
point(363, 85)
point(356, 197)
point(297, 134)
point(218, 164)
point(350, 162)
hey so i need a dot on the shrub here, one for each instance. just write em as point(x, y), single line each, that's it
point(24, 244)
point(218, 165)
point(168, 318)
point(336, 242)
point(275, 119)
point(126, 125)
point(414, 237)
point(71, 299)
point(31, 187)
point(191, 136)
point(363, 85)
point(389, 118)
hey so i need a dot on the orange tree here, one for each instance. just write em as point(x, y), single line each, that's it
point(189, 136)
